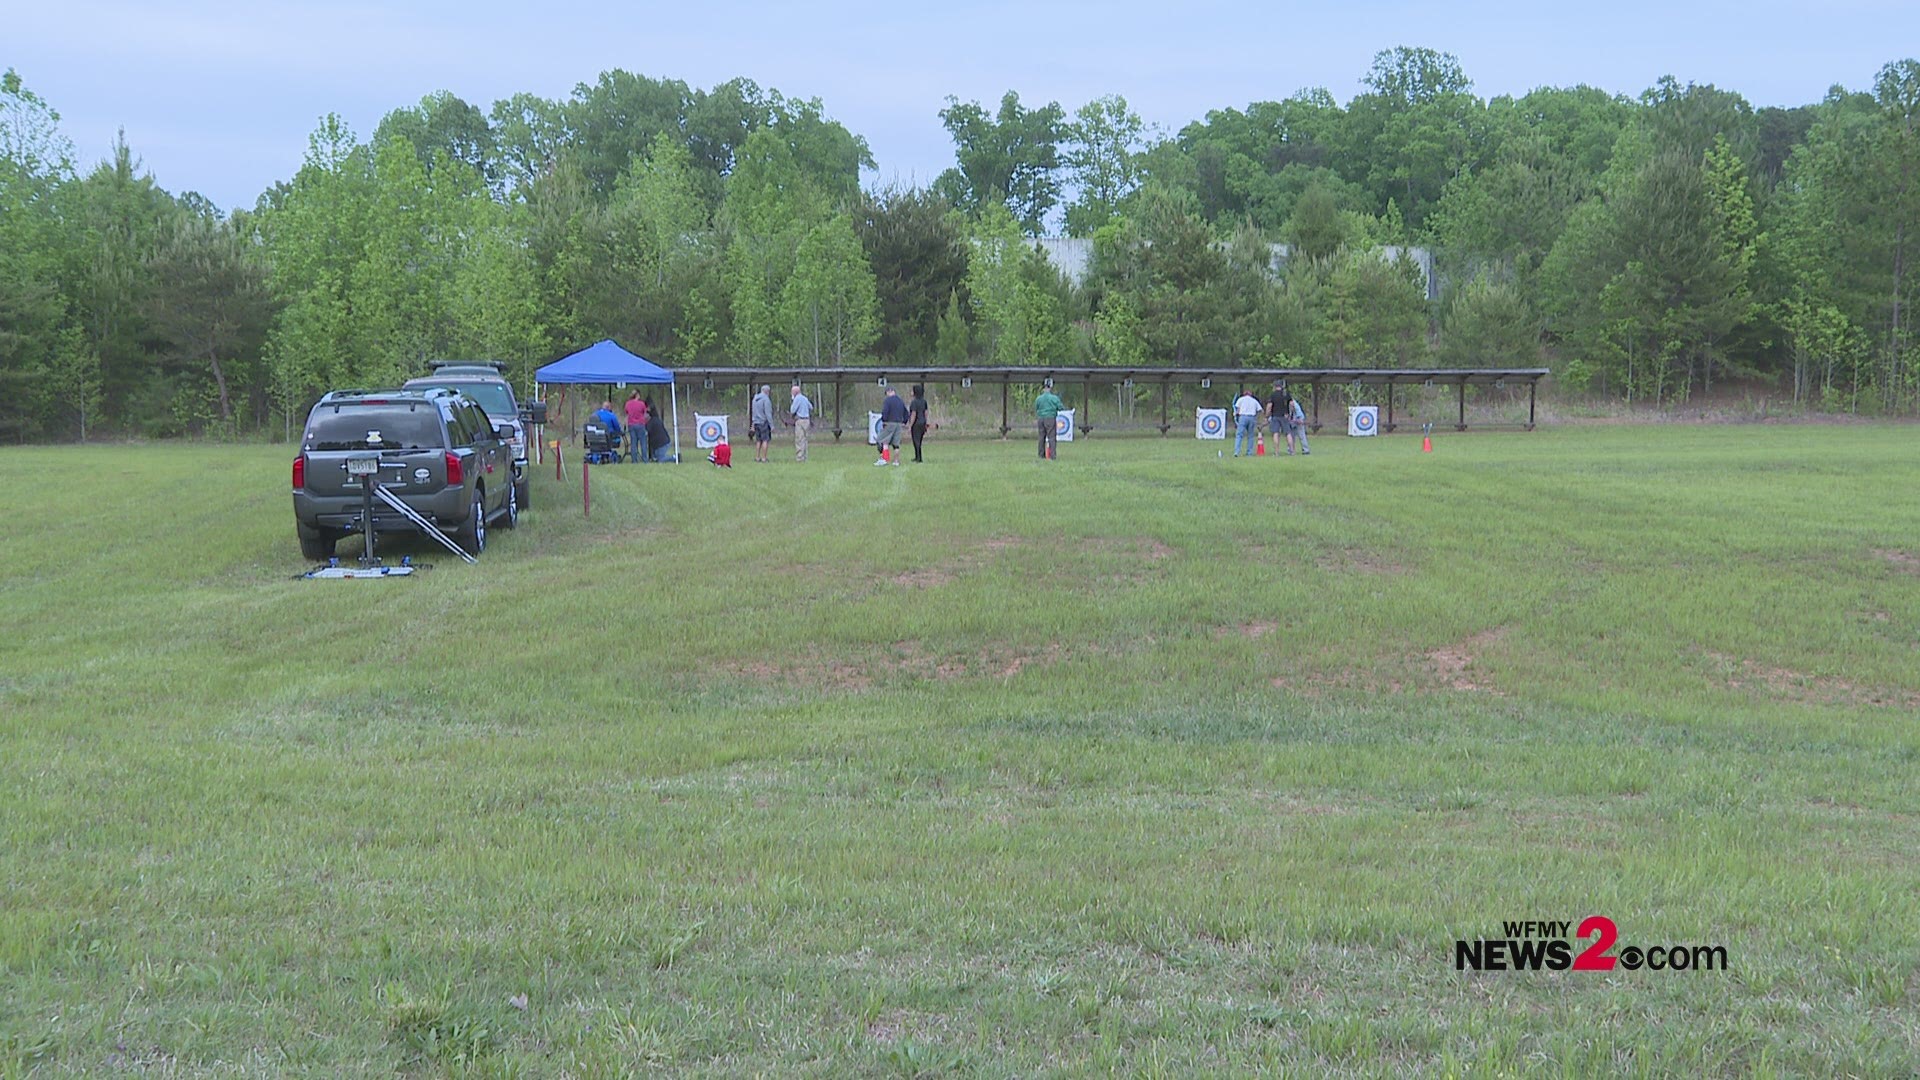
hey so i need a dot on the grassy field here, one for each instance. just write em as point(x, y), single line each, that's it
point(1142, 761)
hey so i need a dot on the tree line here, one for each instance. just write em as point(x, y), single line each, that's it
point(1643, 247)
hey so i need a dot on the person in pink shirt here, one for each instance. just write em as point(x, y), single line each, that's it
point(636, 421)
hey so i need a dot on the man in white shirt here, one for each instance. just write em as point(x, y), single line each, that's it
point(802, 412)
point(1246, 414)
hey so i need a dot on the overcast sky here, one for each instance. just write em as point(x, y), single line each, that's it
point(219, 97)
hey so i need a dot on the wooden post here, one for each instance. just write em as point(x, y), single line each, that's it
point(838, 385)
point(1164, 426)
point(1005, 385)
point(1316, 405)
point(1086, 407)
point(1462, 425)
point(1389, 427)
point(1531, 387)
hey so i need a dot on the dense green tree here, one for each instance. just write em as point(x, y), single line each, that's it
point(40, 345)
point(1490, 325)
point(442, 125)
point(1009, 158)
point(209, 309)
point(770, 210)
point(918, 253)
point(950, 340)
point(1101, 157)
point(828, 311)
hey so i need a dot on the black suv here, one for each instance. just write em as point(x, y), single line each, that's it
point(485, 382)
point(436, 450)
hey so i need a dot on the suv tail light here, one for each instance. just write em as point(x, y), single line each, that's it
point(300, 471)
point(455, 475)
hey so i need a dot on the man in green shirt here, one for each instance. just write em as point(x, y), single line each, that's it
point(1046, 409)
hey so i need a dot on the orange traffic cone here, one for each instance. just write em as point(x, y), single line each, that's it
point(1259, 446)
point(883, 453)
point(1426, 444)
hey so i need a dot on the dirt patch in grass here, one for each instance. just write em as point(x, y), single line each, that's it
point(1904, 561)
point(903, 659)
point(1453, 664)
point(1358, 561)
point(896, 1024)
point(821, 675)
point(930, 577)
point(1251, 631)
point(1798, 686)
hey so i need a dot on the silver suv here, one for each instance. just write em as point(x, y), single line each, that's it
point(485, 382)
point(434, 449)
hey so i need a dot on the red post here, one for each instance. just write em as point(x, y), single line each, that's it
point(586, 489)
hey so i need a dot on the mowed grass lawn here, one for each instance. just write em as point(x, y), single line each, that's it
point(1142, 761)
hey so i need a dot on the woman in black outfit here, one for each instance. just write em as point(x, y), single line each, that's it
point(917, 418)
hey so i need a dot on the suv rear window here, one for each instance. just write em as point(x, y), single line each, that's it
point(375, 428)
point(492, 396)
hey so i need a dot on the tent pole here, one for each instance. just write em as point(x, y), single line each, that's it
point(673, 391)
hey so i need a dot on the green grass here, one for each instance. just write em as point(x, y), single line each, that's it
point(1144, 761)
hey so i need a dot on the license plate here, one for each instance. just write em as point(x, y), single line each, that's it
point(366, 466)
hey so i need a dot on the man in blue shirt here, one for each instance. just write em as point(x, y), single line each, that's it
point(893, 416)
point(801, 410)
point(608, 419)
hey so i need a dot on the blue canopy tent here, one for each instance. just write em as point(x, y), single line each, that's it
point(607, 364)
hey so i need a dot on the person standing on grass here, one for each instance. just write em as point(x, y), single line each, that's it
point(917, 422)
point(1279, 421)
point(893, 417)
point(1046, 410)
point(1246, 415)
point(760, 419)
point(1296, 426)
point(636, 427)
point(800, 412)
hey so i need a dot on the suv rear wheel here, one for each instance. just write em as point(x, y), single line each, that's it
point(472, 536)
point(317, 546)
point(512, 517)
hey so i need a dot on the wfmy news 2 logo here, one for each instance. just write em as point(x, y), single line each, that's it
point(1544, 945)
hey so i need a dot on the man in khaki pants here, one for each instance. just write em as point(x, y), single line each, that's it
point(802, 412)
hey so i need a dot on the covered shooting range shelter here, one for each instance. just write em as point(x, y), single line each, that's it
point(1064, 378)
point(607, 364)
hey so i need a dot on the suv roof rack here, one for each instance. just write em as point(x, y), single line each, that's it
point(397, 396)
point(498, 367)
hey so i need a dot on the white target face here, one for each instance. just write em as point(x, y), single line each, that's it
point(1364, 421)
point(711, 431)
point(1213, 424)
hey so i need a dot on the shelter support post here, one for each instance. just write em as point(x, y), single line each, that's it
point(1389, 428)
point(1315, 388)
point(1531, 387)
point(673, 394)
point(1166, 385)
point(1005, 388)
point(1086, 407)
point(838, 386)
point(1462, 424)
